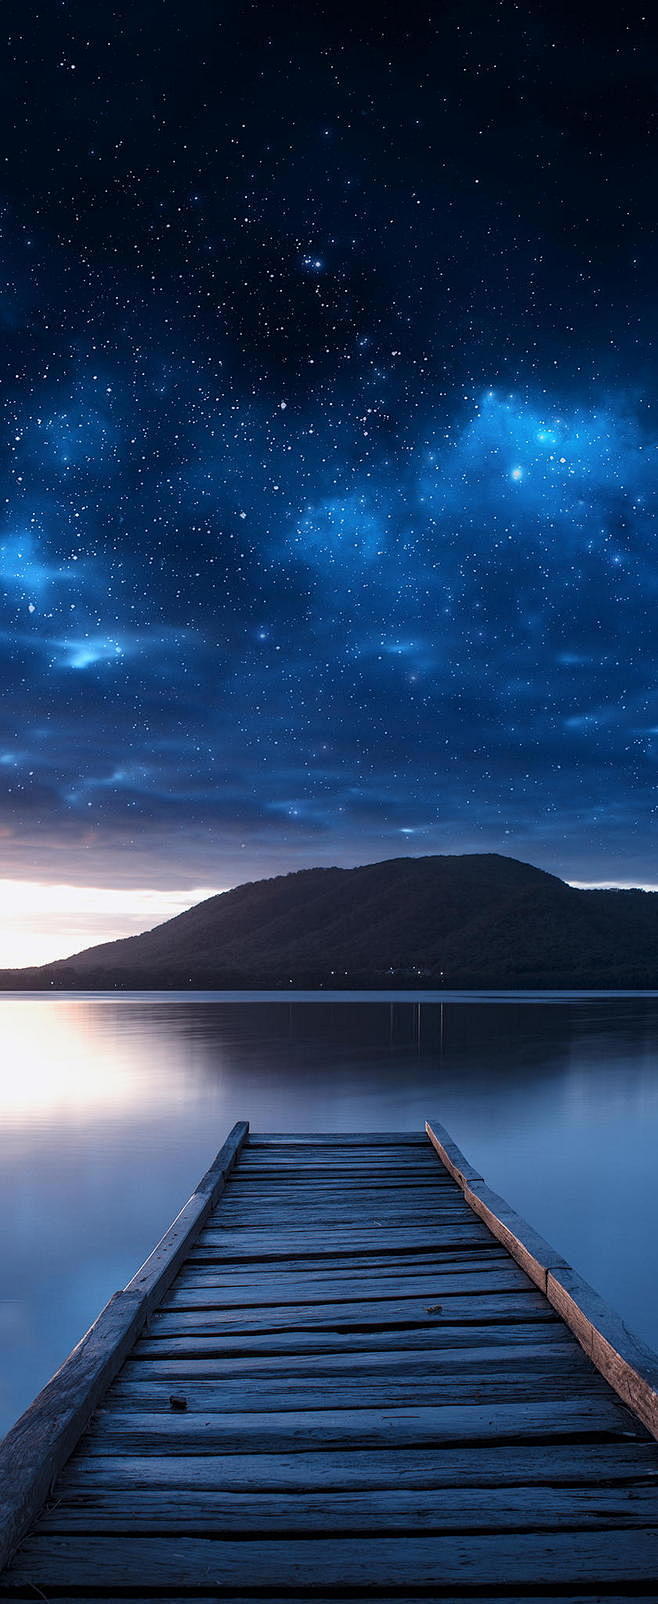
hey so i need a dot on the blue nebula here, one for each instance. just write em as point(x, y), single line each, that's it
point(329, 470)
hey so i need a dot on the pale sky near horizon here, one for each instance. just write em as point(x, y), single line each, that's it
point(41, 922)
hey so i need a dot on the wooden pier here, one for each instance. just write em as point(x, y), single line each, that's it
point(348, 1371)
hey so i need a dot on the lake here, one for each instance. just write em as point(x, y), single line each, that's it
point(112, 1106)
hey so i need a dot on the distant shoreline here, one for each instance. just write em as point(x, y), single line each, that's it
point(292, 991)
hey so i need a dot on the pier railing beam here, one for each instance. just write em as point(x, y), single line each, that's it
point(622, 1358)
point(36, 1448)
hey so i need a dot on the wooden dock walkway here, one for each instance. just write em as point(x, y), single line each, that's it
point(344, 1373)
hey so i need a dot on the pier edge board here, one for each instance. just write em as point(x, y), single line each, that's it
point(37, 1447)
point(627, 1364)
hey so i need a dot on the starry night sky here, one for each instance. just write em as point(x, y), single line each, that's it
point(330, 452)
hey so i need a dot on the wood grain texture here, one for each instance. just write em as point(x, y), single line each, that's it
point(253, 1181)
point(370, 1271)
point(627, 1364)
point(265, 1597)
point(389, 1510)
point(477, 1359)
point(378, 1563)
point(339, 1140)
point(200, 1291)
point(429, 1339)
point(356, 1383)
point(477, 1308)
point(458, 1277)
point(120, 1430)
point(306, 1241)
point(373, 1211)
point(210, 1394)
point(551, 1463)
point(211, 1593)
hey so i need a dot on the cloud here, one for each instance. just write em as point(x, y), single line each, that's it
point(312, 628)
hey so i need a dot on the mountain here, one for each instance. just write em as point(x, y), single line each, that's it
point(475, 920)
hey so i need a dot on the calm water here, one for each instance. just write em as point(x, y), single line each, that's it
point(110, 1109)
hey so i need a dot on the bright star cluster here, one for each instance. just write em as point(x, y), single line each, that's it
point(329, 462)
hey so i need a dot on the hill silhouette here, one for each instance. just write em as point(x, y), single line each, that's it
point(480, 919)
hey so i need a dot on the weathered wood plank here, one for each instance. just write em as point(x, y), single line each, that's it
point(363, 1263)
point(307, 1242)
point(304, 1513)
point(530, 1358)
point(287, 1287)
point(334, 1284)
point(297, 1172)
point(293, 1179)
point(309, 1159)
point(240, 1215)
point(521, 1241)
point(332, 1163)
point(128, 1431)
point(211, 1594)
point(329, 1170)
point(478, 1308)
point(315, 1169)
point(380, 1564)
point(256, 1185)
point(199, 1291)
point(340, 1140)
point(450, 1155)
point(336, 1219)
point(212, 1394)
point(334, 1272)
point(330, 1173)
point(393, 1186)
point(430, 1202)
point(204, 1596)
point(340, 1216)
point(415, 1155)
point(492, 1464)
point(426, 1339)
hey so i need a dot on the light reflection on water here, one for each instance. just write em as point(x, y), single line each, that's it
point(111, 1107)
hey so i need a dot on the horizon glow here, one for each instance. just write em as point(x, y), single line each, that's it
point(42, 922)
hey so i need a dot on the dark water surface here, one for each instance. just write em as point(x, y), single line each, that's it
point(111, 1108)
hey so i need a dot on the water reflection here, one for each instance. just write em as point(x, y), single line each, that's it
point(111, 1107)
point(57, 1064)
